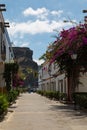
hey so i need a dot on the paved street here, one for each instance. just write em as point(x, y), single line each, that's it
point(34, 112)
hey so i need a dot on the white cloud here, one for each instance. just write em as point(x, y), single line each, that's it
point(19, 29)
point(34, 27)
point(39, 12)
point(39, 62)
point(30, 11)
point(25, 44)
point(58, 13)
point(20, 43)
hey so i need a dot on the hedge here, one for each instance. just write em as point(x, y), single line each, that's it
point(3, 104)
point(80, 99)
point(53, 94)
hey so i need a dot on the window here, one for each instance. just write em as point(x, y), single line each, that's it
point(64, 85)
point(60, 85)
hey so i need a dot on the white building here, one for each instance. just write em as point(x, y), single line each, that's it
point(6, 53)
point(49, 79)
point(9, 50)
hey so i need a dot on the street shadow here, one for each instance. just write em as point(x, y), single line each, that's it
point(2, 116)
point(69, 111)
point(10, 109)
point(12, 106)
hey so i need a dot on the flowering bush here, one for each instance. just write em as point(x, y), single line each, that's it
point(17, 81)
point(73, 40)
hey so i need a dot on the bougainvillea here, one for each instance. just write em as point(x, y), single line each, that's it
point(17, 81)
point(68, 42)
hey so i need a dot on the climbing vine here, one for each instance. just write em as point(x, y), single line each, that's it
point(11, 69)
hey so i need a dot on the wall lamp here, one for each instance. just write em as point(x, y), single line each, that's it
point(2, 7)
point(74, 56)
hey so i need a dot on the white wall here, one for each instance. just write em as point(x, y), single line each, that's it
point(83, 85)
point(9, 51)
point(61, 83)
point(51, 82)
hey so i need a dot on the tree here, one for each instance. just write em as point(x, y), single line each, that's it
point(68, 42)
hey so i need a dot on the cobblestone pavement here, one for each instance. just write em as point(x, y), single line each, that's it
point(34, 112)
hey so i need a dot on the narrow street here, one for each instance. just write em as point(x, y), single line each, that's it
point(34, 112)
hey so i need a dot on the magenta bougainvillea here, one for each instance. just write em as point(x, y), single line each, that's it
point(17, 81)
point(69, 42)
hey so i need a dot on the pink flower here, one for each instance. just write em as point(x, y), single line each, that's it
point(69, 41)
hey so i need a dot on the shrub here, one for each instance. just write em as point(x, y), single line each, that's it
point(63, 96)
point(12, 95)
point(57, 95)
point(53, 94)
point(80, 99)
point(3, 104)
point(40, 92)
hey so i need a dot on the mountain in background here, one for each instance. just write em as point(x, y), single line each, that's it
point(28, 67)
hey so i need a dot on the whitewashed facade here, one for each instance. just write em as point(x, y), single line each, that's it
point(9, 50)
point(54, 81)
point(49, 79)
point(83, 83)
point(6, 53)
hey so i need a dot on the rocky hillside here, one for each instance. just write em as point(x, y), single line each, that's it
point(29, 67)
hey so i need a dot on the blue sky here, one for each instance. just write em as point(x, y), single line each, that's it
point(33, 22)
